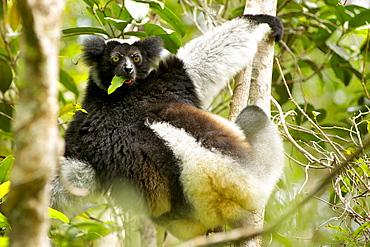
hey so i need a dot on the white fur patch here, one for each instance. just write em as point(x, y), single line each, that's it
point(212, 59)
point(74, 174)
point(219, 188)
point(129, 41)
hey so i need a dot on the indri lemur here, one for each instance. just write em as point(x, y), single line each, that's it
point(151, 145)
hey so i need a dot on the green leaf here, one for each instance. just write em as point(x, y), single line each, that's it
point(14, 17)
point(5, 167)
point(91, 3)
point(6, 135)
point(360, 19)
point(54, 214)
point(116, 82)
point(6, 77)
point(67, 81)
point(168, 16)
point(5, 119)
point(100, 14)
point(156, 30)
point(119, 24)
point(339, 50)
point(137, 10)
point(3, 221)
point(342, 68)
point(337, 228)
point(94, 230)
point(344, 238)
point(84, 30)
point(2, 10)
point(171, 41)
point(4, 241)
point(4, 188)
point(120, 12)
point(140, 35)
point(359, 231)
point(70, 109)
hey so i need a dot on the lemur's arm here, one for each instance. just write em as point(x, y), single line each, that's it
point(218, 55)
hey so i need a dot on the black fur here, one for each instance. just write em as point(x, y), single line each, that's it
point(277, 29)
point(114, 136)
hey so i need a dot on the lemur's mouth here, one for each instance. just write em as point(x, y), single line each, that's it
point(128, 81)
point(117, 82)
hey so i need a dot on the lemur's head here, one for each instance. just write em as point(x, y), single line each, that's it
point(120, 60)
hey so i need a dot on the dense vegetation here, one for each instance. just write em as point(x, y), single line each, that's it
point(322, 105)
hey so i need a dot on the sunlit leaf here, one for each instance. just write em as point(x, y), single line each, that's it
point(3, 221)
point(339, 50)
point(70, 109)
point(4, 241)
point(54, 214)
point(359, 231)
point(116, 82)
point(337, 228)
point(5, 167)
point(365, 168)
point(4, 188)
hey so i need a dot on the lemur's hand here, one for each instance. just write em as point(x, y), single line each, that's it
point(274, 23)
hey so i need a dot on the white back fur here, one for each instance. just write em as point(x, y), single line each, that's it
point(215, 183)
point(212, 59)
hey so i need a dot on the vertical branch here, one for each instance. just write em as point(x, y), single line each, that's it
point(253, 87)
point(35, 126)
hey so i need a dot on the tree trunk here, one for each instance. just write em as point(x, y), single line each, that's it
point(253, 87)
point(35, 126)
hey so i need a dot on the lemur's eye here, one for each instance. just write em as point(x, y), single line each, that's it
point(115, 59)
point(136, 59)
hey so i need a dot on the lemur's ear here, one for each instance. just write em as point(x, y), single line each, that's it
point(151, 47)
point(93, 48)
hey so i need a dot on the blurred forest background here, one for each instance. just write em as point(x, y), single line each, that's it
point(320, 76)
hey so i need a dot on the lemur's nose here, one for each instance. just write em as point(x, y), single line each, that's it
point(128, 70)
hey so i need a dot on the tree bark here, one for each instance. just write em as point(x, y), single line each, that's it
point(253, 87)
point(35, 126)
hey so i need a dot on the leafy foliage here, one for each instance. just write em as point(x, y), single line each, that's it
point(319, 82)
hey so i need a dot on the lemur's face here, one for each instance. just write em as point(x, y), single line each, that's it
point(117, 60)
point(128, 63)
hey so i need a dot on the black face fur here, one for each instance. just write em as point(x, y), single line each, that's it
point(113, 58)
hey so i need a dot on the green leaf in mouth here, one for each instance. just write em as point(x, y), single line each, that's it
point(116, 82)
